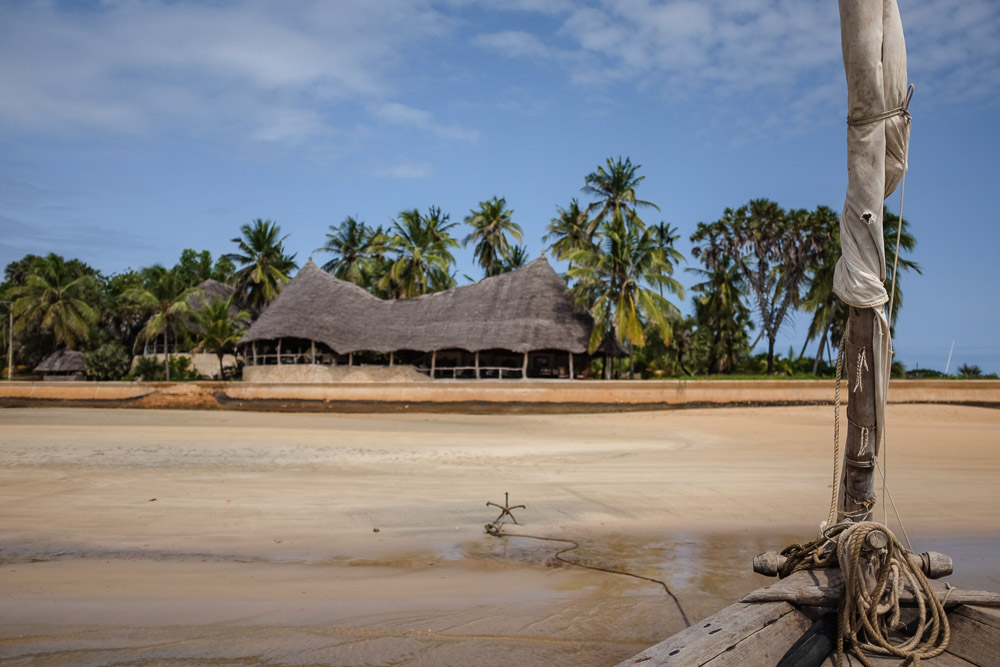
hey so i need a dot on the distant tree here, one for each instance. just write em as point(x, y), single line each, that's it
point(518, 257)
point(970, 371)
point(108, 362)
point(166, 301)
point(218, 329)
point(772, 250)
point(612, 279)
point(614, 188)
point(568, 230)
point(264, 266)
point(422, 258)
point(721, 319)
point(56, 296)
point(350, 244)
point(491, 223)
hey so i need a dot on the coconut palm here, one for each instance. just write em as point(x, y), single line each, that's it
point(614, 189)
point(166, 301)
point(218, 328)
point(612, 279)
point(568, 230)
point(350, 244)
point(421, 245)
point(265, 267)
point(518, 257)
point(722, 318)
point(56, 296)
point(491, 223)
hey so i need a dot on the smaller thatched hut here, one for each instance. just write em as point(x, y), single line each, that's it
point(62, 365)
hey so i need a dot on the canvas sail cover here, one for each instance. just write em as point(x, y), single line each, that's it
point(878, 135)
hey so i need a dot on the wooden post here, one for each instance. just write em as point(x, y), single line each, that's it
point(390, 359)
point(350, 358)
point(477, 364)
point(254, 345)
point(857, 489)
point(524, 367)
point(570, 365)
point(313, 349)
point(279, 351)
point(434, 356)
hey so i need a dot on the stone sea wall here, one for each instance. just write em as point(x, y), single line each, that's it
point(412, 395)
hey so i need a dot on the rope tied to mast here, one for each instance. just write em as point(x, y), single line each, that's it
point(902, 110)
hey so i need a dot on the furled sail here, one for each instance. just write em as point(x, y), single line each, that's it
point(878, 135)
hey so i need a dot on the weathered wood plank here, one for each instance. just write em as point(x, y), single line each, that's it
point(943, 660)
point(712, 636)
point(767, 645)
point(824, 588)
point(857, 486)
point(976, 642)
point(990, 617)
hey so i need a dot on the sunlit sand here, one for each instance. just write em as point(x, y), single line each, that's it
point(138, 536)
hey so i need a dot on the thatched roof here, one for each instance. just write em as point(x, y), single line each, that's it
point(63, 361)
point(527, 309)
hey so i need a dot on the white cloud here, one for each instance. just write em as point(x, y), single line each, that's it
point(406, 170)
point(406, 116)
point(274, 71)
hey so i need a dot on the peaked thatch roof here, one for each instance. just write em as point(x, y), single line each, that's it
point(527, 309)
point(63, 361)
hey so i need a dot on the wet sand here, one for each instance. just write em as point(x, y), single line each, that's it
point(162, 537)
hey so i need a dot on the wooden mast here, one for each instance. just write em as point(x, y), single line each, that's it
point(857, 487)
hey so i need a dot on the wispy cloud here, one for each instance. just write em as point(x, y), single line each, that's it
point(407, 116)
point(405, 170)
point(274, 72)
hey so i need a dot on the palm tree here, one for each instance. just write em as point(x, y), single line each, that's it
point(615, 188)
point(423, 259)
point(490, 225)
point(518, 257)
point(265, 266)
point(350, 244)
point(907, 242)
point(218, 329)
point(722, 318)
point(57, 298)
point(612, 277)
point(568, 230)
point(166, 302)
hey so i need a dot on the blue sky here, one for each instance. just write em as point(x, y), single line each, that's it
point(130, 130)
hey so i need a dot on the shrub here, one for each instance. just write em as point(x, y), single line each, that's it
point(108, 362)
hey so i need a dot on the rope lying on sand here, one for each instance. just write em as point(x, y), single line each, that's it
point(870, 609)
point(574, 545)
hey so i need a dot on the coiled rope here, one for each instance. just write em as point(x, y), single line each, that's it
point(870, 612)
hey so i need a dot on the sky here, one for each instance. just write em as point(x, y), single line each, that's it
point(132, 129)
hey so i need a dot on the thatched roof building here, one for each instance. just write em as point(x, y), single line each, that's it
point(526, 310)
point(63, 363)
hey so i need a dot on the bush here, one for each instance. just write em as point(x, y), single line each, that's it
point(149, 369)
point(108, 362)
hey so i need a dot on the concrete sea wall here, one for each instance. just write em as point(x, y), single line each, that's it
point(475, 396)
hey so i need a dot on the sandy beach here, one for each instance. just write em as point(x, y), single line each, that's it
point(148, 537)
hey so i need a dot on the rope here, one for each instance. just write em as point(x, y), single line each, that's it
point(831, 518)
point(870, 612)
point(902, 110)
point(574, 545)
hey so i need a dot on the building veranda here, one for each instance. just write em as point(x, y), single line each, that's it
point(518, 325)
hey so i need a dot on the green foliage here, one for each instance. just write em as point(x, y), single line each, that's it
point(418, 252)
point(491, 223)
point(351, 244)
point(149, 369)
point(970, 371)
point(110, 361)
point(264, 266)
point(219, 329)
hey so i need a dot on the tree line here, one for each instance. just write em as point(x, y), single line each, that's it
point(759, 263)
